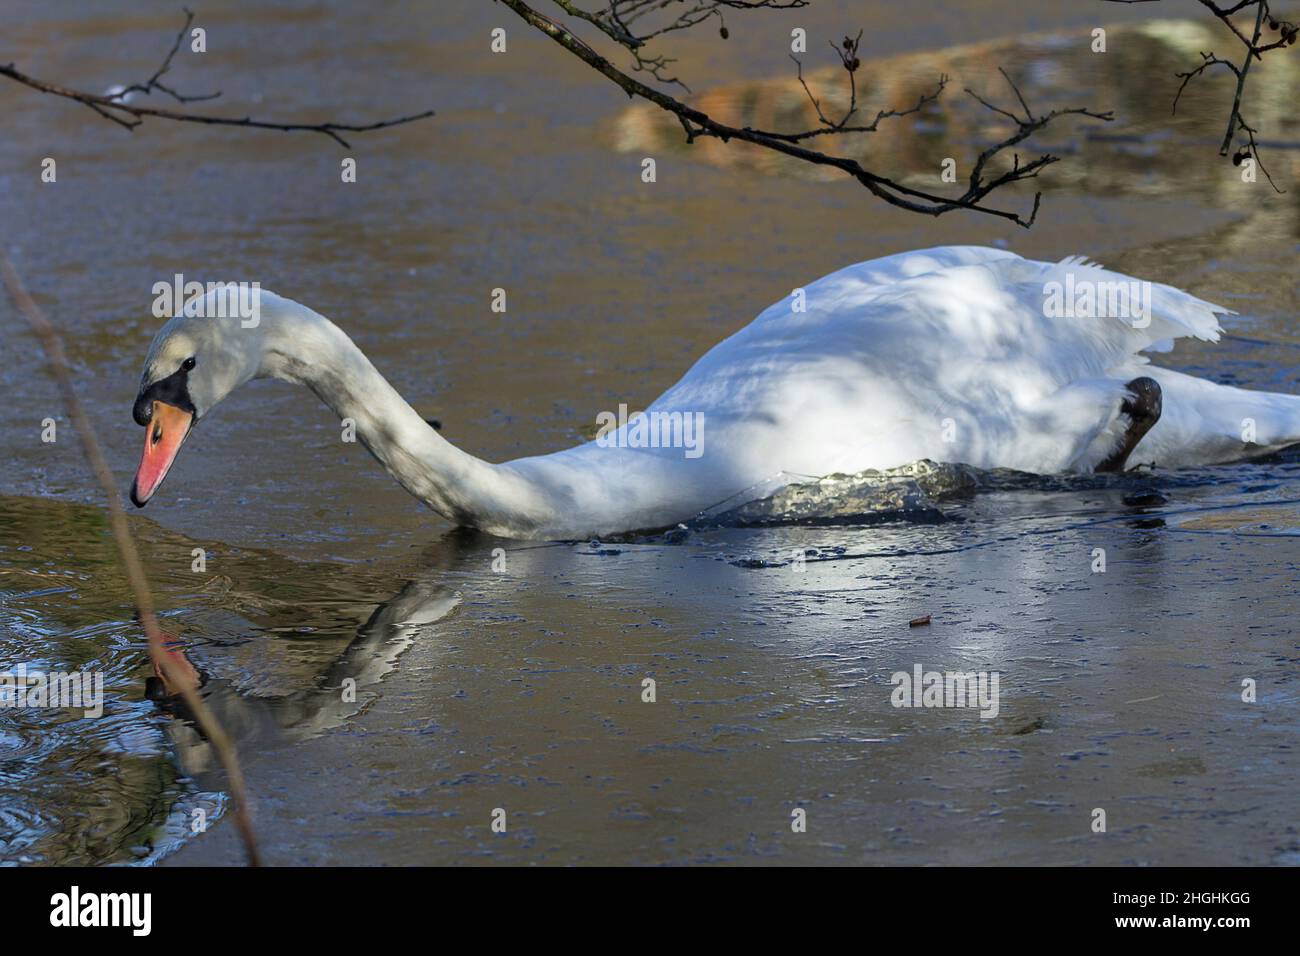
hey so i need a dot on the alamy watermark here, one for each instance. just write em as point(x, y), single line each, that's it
point(236, 300)
point(922, 688)
point(1128, 299)
point(74, 689)
point(683, 430)
point(74, 908)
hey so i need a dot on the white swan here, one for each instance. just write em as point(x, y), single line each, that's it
point(952, 354)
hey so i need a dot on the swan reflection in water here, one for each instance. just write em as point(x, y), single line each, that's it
point(323, 701)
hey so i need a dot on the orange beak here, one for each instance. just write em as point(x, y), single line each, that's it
point(167, 429)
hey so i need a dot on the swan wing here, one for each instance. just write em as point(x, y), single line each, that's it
point(957, 353)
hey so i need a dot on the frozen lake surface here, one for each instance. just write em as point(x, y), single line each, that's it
point(520, 687)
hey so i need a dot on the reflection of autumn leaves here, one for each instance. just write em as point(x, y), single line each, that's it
point(783, 105)
point(1144, 151)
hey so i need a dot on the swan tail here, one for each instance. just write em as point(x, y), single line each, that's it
point(1124, 315)
point(1203, 423)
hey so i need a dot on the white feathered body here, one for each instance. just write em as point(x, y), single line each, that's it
point(957, 354)
point(953, 354)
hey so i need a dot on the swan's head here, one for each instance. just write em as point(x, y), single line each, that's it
point(196, 360)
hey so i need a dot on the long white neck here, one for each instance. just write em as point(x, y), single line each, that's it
point(306, 348)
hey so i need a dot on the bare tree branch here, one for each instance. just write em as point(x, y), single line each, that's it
point(614, 23)
point(115, 108)
point(1254, 50)
point(655, 18)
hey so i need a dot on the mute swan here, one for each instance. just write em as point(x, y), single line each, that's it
point(960, 354)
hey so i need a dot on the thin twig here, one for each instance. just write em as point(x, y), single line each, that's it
point(1254, 50)
point(1251, 44)
point(154, 82)
point(695, 123)
point(173, 675)
point(1209, 60)
point(662, 17)
point(113, 107)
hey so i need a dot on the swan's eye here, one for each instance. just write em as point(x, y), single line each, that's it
point(187, 364)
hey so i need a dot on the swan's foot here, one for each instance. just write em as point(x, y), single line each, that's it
point(1143, 411)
